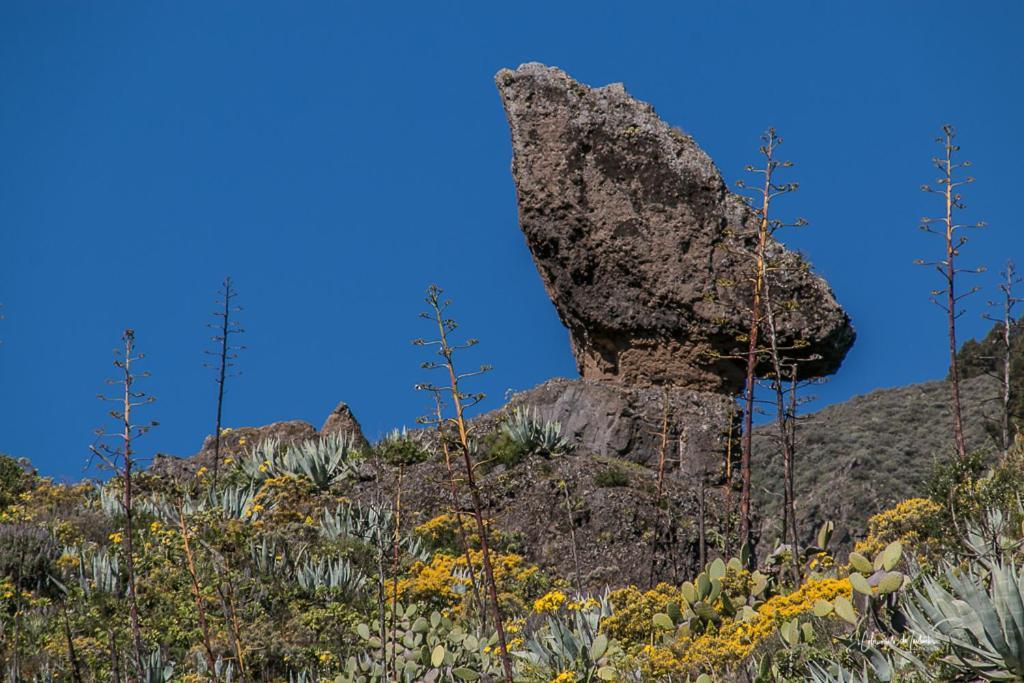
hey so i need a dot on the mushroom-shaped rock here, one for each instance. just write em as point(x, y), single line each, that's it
point(644, 251)
point(342, 421)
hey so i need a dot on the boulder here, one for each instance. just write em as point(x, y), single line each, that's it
point(342, 421)
point(642, 248)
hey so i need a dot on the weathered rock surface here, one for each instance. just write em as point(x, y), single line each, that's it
point(610, 420)
point(342, 421)
point(241, 439)
point(641, 246)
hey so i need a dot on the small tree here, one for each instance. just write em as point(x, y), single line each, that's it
point(1005, 323)
point(947, 298)
point(115, 451)
point(226, 353)
point(461, 401)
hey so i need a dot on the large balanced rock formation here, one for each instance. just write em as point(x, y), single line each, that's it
point(641, 246)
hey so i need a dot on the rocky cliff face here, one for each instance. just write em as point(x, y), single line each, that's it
point(642, 248)
point(609, 420)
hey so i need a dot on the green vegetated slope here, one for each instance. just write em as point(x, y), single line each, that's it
point(857, 458)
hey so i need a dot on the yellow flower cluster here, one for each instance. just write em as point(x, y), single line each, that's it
point(914, 522)
point(565, 677)
point(736, 639)
point(552, 601)
point(443, 581)
point(577, 605)
point(631, 619)
point(116, 538)
point(514, 632)
point(68, 561)
point(443, 532)
point(801, 601)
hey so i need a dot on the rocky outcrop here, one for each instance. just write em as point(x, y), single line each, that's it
point(239, 440)
point(342, 421)
point(609, 420)
point(642, 248)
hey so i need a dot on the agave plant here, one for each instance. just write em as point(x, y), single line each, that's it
point(372, 524)
point(336, 574)
point(994, 539)
point(98, 571)
point(876, 666)
point(322, 460)
point(525, 428)
point(109, 501)
point(223, 670)
point(569, 640)
point(980, 619)
point(234, 501)
point(155, 669)
point(837, 673)
point(261, 462)
point(272, 558)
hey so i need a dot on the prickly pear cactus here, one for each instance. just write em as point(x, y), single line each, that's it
point(706, 600)
point(426, 648)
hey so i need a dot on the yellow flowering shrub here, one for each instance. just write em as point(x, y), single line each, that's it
point(915, 522)
point(631, 620)
point(735, 639)
point(442, 532)
point(286, 500)
point(443, 582)
point(551, 601)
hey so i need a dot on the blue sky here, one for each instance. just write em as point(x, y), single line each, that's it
point(336, 157)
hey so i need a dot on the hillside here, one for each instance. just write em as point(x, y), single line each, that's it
point(857, 458)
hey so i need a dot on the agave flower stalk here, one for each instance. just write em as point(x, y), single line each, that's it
point(460, 402)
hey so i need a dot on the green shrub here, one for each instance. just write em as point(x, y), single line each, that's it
point(611, 476)
point(502, 449)
point(398, 449)
point(15, 479)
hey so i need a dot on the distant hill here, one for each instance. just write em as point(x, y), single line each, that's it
point(859, 457)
